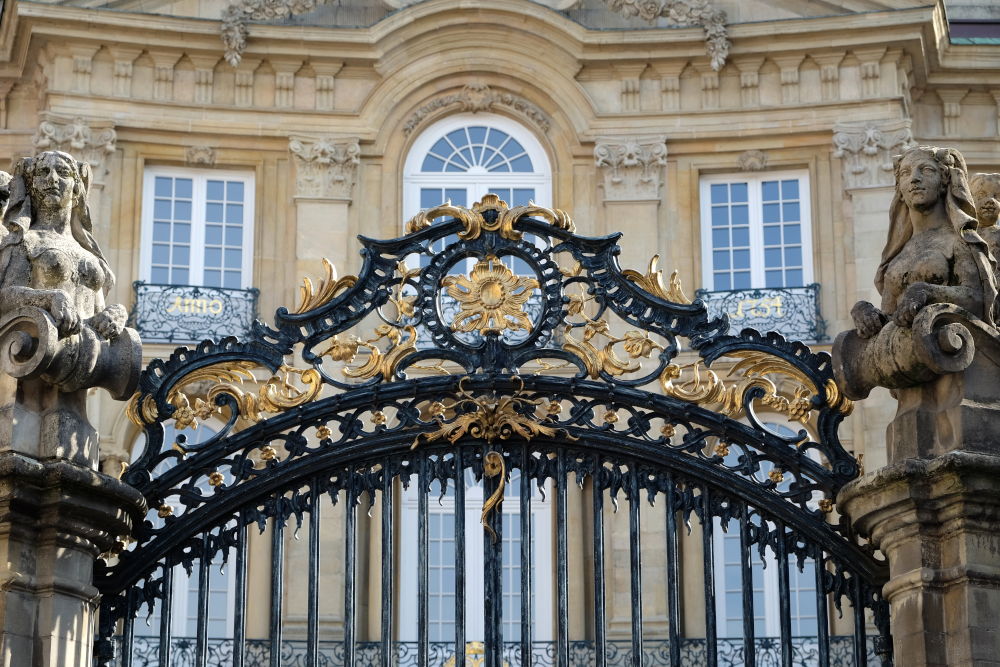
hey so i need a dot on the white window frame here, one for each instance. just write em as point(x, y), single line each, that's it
point(197, 259)
point(477, 181)
point(754, 186)
point(542, 549)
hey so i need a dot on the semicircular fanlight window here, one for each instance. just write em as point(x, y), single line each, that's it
point(474, 146)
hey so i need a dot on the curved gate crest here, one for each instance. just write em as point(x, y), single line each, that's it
point(518, 346)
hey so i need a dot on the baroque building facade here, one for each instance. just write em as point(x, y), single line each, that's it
point(747, 143)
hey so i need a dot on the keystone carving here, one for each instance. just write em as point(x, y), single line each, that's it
point(200, 156)
point(867, 151)
point(87, 141)
point(325, 167)
point(684, 13)
point(633, 167)
point(478, 97)
point(752, 160)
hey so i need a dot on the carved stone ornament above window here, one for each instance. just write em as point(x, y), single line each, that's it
point(325, 167)
point(867, 149)
point(685, 13)
point(86, 140)
point(752, 160)
point(239, 12)
point(633, 167)
point(200, 156)
point(478, 97)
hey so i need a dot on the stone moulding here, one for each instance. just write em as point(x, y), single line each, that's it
point(476, 97)
point(684, 13)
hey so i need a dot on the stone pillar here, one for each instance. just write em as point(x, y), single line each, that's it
point(934, 508)
point(325, 172)
point(633, 175)
point(866, 151)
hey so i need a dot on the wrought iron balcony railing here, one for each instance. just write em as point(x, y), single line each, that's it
point(792, 311)
point(804, 653)
point(191, 314)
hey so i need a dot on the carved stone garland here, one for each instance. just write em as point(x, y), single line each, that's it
point(684, 12)
point(478, 97)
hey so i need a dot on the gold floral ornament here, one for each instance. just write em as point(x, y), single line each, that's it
point(379, 361)
point(652, 282)
point(493, 466)
point(288, 388)
point(636, 345)
point(491, 298)
point(489, 418)
point(330, 286)
point(703, 386)
point(404, 303)
point(475, 223)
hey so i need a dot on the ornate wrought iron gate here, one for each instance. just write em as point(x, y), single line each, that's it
point(521, 361)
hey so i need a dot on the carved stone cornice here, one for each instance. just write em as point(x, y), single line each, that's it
point(478, 97)
point(325, 168)
point(866, 151)
point(239, 12)
point(633, 167)
point(91, 141)
point(684, 13)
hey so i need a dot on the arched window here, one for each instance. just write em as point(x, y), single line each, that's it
point(463, 157)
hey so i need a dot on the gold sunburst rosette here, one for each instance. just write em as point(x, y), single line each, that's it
point(491, 298)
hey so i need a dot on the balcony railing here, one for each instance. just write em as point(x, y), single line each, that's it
point(791, 311)
point(805, 652)
point(190, 314)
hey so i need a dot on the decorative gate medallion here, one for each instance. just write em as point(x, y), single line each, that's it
point(549, 363)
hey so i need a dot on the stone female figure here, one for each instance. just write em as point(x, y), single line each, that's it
point(57, 335)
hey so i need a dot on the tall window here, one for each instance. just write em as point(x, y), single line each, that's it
point(197, 227)
point(463, 157)
point(756, 231)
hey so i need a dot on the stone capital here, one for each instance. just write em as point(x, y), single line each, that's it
point(91, 141)
point(632, 167)
point(326, 167)
point(866, 150)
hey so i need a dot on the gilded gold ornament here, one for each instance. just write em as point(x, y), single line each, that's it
point(474, 223)
point(491, 298)
point(381, 362)
point(652, 282)
point(163, 511)
point(216, 478)
point(635, 344)
point(493, 466)
point(329, 287)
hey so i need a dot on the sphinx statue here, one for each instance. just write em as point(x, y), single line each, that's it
point(58, 336)
point(937, 280)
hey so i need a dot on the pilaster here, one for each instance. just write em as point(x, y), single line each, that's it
point(326, 170)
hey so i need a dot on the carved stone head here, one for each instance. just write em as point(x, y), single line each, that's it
point(986, 192)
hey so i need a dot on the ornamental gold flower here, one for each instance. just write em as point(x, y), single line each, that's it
point(491, 298)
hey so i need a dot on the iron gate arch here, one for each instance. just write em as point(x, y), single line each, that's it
point(493, 371)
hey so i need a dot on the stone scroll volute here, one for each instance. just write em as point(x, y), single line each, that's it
point(932, 340)
point(58, 337)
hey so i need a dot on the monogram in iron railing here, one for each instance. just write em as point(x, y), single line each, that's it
point(191, 314)
point(794, 311)
point(336, 421)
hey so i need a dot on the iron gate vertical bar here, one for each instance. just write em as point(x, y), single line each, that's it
point(784, 603)
point(459, 558)
point(385, 633)
point(492, 575)
point(240, 602)
point(423, 545)
point(562, 572)
point(527, 561)
point(708, 555)
point(746, 576)
point(673, 577)
point(166, 614)
point(277, 583)
point(350, 567)
point(204, 567)
point(600, 621)
point(860, 642)
point(128, 629)
point(635, 564)
point(822, 622)
point(312, 613)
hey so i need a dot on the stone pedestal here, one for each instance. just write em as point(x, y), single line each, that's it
point(55, 519)
point(937, 523)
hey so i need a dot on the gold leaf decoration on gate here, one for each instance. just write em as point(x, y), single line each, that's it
point(475, 223)
point(330, 286)
point(491, 298)
point(493, 466)
point(490, 418)
point(652, 282)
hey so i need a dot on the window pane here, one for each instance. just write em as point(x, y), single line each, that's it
point(234, 235)
point(523, 196)
point(234, 213)
point(772, 235)
point(432, 163)
point(213, 278)
point(182, 255)
point(741, 215)
point(234, 258)
point(182, 233)
point(741, 236)
point(234, 191)
point(722, 281)
point(790, 211)
point(521, 164)
point(163, 186)
point(183, 187)
point(720, 238)
point(793, 256)
point(477, 134)
point(233, 280)
point(793, 234)
point(769, 191)
point(720, 216)
point(213, 212)
point(773, 279)
point(772, 257)
point(793, 278)
point(738, 191)
point(741, 259)
point(213, 257)
point(720, 260)
point(772, 213)
point(790, 189)
point(741, 280)
point(161, 231)
point(161, 253)
point(159, 275)
point(162, 210)
point(720, 193)
point(213, 234)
